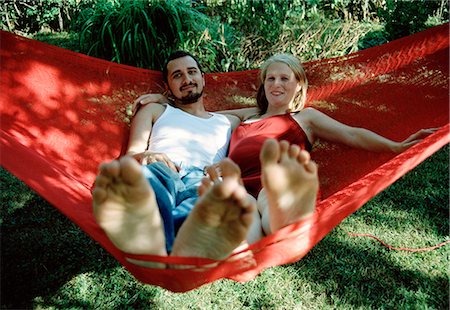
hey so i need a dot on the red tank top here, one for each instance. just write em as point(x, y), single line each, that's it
point(247, 140)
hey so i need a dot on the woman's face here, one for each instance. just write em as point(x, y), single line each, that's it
point(280, 85)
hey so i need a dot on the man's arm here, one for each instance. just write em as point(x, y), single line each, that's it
point(242, 113)
point(141, 128)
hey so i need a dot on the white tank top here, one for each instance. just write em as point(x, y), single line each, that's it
point(189, 140)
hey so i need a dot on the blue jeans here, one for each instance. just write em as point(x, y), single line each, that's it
point(176, 194)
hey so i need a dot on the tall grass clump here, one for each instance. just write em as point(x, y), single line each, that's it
point(217, 45)
point(315, 29)
point(259, 24)
point(294, 26)
point(139, 33)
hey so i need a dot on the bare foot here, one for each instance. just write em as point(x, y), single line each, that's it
point(125, 208)
point(290, 183)
point(220, 220)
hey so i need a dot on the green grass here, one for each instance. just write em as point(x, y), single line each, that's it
point(67, 40)
point(49, 263)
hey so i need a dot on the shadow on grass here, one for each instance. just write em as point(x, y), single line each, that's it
point(353, 277)
point(359, 272)
point(41, 249)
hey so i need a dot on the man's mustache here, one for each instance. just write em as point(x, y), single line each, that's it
point(190, 84)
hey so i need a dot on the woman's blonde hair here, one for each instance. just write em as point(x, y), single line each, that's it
point(296, 66)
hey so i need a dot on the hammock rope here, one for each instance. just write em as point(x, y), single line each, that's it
point(63, 113)
point(390, 247)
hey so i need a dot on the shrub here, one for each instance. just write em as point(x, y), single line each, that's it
point(407, 17)
point(38, 15)
point(139, 33)
point(356, 10)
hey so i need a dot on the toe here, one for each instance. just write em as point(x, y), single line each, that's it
point(111, 169)
point(204, 186)
point(294, 151)
point(270, 152)
point(98, 195)
point(311, 167)
point(229, 169)
point(130, 170)
point(224, 190)
point(102, 181)
point(303, 157)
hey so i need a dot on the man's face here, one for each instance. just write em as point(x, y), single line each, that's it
point(185, 80)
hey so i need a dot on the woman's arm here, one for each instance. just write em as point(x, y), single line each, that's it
point(322, 126)
point(148, 98)
point(242, 114)
point(234, 116)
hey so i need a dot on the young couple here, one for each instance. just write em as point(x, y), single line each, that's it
point(157, 200)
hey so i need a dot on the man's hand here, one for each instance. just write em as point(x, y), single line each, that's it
point(146, 99)
point(147, 157)
point(213, 172)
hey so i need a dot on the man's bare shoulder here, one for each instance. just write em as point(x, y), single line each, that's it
point(153, 110)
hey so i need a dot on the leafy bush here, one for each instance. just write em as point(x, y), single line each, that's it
point(407, 17)
point(374, 37)
point(356, 10)
point(37, 15)
point(264, 18)
point(140, 33)
point(319, 38)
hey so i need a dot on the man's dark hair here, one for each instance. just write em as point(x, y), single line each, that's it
point(176, 55)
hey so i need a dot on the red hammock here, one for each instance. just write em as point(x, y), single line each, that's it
point(62, 113)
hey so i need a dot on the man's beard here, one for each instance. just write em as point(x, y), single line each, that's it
point(190, 98)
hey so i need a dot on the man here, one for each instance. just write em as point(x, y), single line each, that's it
point(173, 143)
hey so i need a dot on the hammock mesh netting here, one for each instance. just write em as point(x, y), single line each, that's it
point(63, 113)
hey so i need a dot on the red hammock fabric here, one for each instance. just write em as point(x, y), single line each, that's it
point(63, 113)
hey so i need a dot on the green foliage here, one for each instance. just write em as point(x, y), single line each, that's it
point(263, 18)
point(407, 17)
point(361, 10)
point(139, 33)
point(217, 45)
point(319, 38)
point(294, 26)
point(40, 15)
point(374, 37)
point(227, 35)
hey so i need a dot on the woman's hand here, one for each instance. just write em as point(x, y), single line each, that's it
point(414, 139)
point(146, 99)
point(147, 157)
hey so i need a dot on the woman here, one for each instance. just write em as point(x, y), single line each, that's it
point(281, 115)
